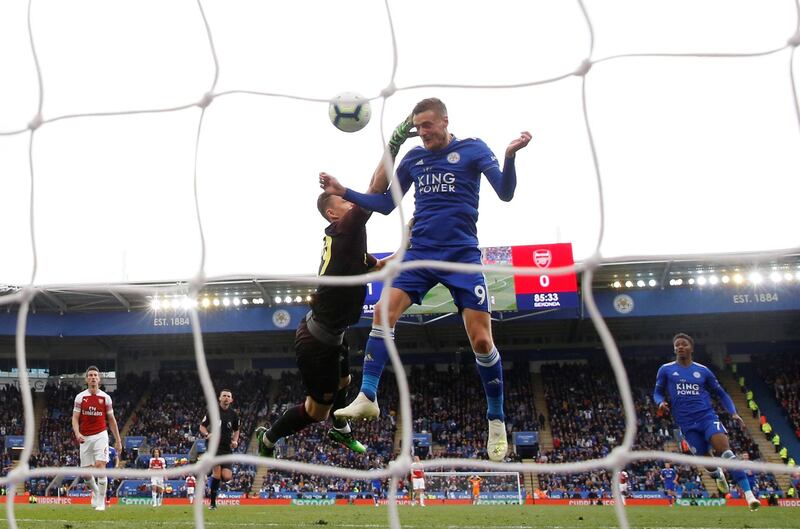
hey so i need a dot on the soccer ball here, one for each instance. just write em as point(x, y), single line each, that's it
point(349, 111)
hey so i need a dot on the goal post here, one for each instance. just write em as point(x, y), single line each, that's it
point(495, 487)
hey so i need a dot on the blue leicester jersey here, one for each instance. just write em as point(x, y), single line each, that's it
point(447, 184)
point(668, 475)
point(446, 191)
point(689, 389)
point(112, 457)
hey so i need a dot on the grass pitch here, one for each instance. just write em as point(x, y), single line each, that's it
point(430, 517)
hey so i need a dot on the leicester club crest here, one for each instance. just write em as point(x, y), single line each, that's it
point(623, 304)
point(281, 318)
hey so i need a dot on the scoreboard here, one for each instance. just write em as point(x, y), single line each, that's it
point(507, 291)
point(545, 291)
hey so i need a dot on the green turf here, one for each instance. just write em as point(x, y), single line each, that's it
point(439, 300)
point(431, 517)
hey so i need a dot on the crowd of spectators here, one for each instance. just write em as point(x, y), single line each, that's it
point(313, 446)
point(782, 374)
point(496, 255)
point(11, 420)
point(451, 406)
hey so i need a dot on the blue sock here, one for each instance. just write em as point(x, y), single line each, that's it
point(490, 368)
point(738, 474)
point(375, 357)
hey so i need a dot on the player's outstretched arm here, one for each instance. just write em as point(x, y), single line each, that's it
point(330, 184)
point(504, 182)
point(518, 143)
point(380, 202)
point(380, 178)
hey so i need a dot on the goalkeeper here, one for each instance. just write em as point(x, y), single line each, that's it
point(446, 173)
point(320, 345)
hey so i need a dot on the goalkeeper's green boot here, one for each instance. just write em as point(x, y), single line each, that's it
point(346, 439)
point(263, 450)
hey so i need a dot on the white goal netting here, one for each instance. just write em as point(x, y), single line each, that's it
point(195, 113)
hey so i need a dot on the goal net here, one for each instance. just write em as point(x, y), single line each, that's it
point(217, 143)
point(492, 487)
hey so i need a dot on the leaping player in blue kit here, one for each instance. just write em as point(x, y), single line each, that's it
point(446, 175)
point(689, 386)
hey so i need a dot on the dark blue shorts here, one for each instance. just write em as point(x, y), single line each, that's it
point(468, 289)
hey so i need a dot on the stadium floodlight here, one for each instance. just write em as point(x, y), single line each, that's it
point(205, 303)
point(738, 279)
point(165, 304)
point(787, 276)
point(244, 301)
point(726, 280)
point(215, 302)
point(615, 284)
point(226, 302)
point(640, 283)
point(713, 280)
point(278, 300)
point(308, 297)
point(797, 275)
point(691, 281)
point(187, 303)
point(298, 299)
point(701, 280)
point(652, 283)
point(775, 276)
point(236, 302)
point(679, 281)
point(755, 277)
point(155, 304)
point(628, 283)
point(287, 299)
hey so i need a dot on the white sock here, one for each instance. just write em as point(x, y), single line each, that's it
point(93, 485)
point(344, 429)
point(103, 482)
point(155, 498)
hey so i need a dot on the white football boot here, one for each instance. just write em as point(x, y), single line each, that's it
point(360, 408)
point(497, 444)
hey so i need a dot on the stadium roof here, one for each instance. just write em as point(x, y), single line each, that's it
point(83, 298)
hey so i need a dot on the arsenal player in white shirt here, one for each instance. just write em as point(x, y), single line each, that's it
point(92, 414)
point(157, 482)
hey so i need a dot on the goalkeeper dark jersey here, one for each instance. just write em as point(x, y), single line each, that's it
point(344, 254)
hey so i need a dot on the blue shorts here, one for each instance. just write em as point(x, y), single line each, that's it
point(468, 289)
point(699, 434)
point(669, 485)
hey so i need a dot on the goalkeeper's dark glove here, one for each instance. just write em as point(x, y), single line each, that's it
point(401, 133)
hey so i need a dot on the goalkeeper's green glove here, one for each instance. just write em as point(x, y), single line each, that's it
point(401, 133)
